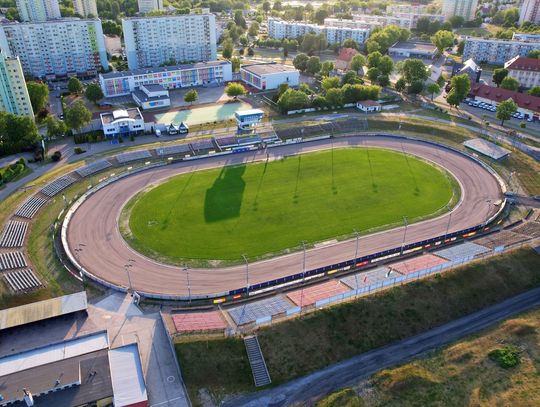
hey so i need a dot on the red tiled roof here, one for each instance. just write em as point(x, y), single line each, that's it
point(369, 103)
point(346, 54)
point(499, 94)
point(525, 64)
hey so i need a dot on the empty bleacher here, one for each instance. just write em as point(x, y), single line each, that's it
point(226, 142)
point(341, 126)
point(13, 234)
point(22, 280)
point(30, 207)
point(12, 260)
point(92, 168)
point(58, 185)
point(133, 156)
point(176, 149)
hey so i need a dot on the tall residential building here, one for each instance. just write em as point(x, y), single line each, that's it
point(150, 5)
point(495, 51)
point(38, 10)
point(529, 11)
point(14, 96)
point(153, 41)
point(463, 8)
point(85, 8)
point(56, 48)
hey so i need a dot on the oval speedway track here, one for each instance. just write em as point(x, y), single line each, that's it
point(105, 253)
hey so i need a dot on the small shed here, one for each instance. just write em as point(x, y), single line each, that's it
point(369, 106)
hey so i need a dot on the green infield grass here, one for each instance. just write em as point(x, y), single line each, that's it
point(268, 208)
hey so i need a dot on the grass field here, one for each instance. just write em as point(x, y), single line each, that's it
point(266, 208)
point(303, 345)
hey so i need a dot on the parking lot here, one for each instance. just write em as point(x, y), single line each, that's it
point(490, 110)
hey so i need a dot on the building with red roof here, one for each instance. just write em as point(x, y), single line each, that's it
point(343, 61)
point(525, 70)
point(527, 104)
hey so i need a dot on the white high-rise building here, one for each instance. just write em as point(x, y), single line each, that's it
point(86, 8)
point(153, 41)
point(529, 11)
point(56, 48)
point(150, 5)
point(463, 8)
point(38, 10)
point(14, 96)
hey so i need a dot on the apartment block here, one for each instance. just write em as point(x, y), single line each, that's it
point(463, 8)
point(169, 77)
point(86, 8)
point(38, 10)
point(56, 48)
point(14, 96)
point(496, 52)
point(407, 8)
point(525, 70)
point(402, 20)
point(529, 11)
point(153, 41)
point(146, 6)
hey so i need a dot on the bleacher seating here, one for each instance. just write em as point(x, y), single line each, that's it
point(13, 234)
point(201, 145)
point(22, 280)
point(92, 168)
point(12, 260)
point(58, 185)
point(133, 156)
point(174, 150)
point(30, 207)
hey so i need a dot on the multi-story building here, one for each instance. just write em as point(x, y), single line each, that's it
point(463, 8)
point(86, 8)
point(56, 48)
point(335, 33)
point(38, 10)
point(529, 11)
point(153, 41)
point(269, 75)
point(407, 8)
point(146, 6)
point(14, 96)
point(526, 37)
point(525, 70)
point(494, 51)
point(170, 77)
point(403, 20)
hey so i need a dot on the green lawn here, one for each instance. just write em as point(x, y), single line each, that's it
point(266, 208)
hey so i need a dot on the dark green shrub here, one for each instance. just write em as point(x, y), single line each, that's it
point(506, 357)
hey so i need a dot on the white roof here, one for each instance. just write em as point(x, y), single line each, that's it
point(54, 353)
point(117, 114)
point(127, 376)
point(249, 112)
point(487, 148)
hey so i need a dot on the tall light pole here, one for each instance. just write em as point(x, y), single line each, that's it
point(247, 273)
point(186, 269)
point(404, 234)
point(127, 266)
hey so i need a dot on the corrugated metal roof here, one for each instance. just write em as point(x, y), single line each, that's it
point(127, 376)
point(40, 310)
point(53, 353)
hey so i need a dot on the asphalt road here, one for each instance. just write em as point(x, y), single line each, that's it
point(304, 391)
point(105, 253)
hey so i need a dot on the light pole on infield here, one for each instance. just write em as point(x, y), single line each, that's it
point(404, 234)
point(186, 269)
point(247, 273)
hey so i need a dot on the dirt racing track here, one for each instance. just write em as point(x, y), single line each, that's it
point(92, 232)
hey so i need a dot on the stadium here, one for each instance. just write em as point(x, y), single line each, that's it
point(142, 231)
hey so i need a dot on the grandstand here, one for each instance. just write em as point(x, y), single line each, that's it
point(341, 126)
point(13, 234)
point(59, 184)
point(203, 146)
point(92, 168)
point(133, 156)
point(176, 149)
point(30, 207)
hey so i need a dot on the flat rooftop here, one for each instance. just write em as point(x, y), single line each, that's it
point(415, 46)
point(154, 87)
point(127, 376)
point(131, 113)
point(145, 71)
point(41, 310)
point(268, 69)
point(487, 148)
point(139, 94)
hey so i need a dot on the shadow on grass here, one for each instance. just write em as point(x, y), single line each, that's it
point(224, 200)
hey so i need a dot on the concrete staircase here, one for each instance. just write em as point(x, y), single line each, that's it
point(256, 360)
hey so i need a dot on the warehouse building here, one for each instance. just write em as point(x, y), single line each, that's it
point(269, 75)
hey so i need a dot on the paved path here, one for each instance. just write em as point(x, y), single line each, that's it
point(306, 390)
point(105, 254)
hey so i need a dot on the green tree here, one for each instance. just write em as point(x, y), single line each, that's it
point(235, 62)
point(510, 83)
point(191, 96)
point(253, 29)
point(320, 15)
point(16, 133)
point(77, 116)
point(244, 40)
point(227, 48)
point(433, 88)
point(334, 97)
point(39, 95)
point(326, 68)
point(400, 85)
point(292, 100)
point(350, 43)
point(373, 74)
point(386, 65)
point(75, 86)
point(535, 53)
point(454, 98)
point(300, 62)
point(373, 59)
point(266, 7)
point(456, 21)
point(505, 110)
point(93, 92)
point(416, 87)
point(413, 70)
point(313, 65)
point(358, 62)
point(461, 84)
point(250, 52)
point(443, 39)
point(498, 75)
point(350, 77)
point(235, 89)
point(55, 127)
point(330, 82)
point(534, 91)
point(383, 80)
